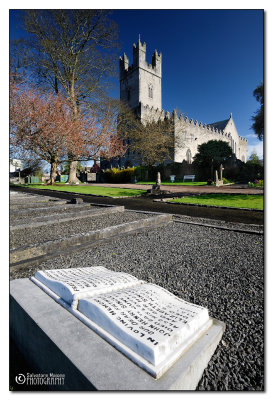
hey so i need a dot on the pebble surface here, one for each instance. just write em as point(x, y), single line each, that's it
point(219, 223)
point(218, 269)
point(60, 230)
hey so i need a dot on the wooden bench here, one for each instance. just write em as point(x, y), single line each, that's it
point(192, 177)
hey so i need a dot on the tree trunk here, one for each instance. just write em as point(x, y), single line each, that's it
point(53, 172)
point(72, 178)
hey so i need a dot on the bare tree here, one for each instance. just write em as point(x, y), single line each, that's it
point(71, 51)
point(150, 141)
point(41, 125)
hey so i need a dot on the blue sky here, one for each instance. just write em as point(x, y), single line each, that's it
point(212, 60)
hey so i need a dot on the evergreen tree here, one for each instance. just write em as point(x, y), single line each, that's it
point(258, 118)
point(211, 154)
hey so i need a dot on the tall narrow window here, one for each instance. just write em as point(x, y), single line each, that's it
point(150, 91)
point(189, 156)
point(128, 94)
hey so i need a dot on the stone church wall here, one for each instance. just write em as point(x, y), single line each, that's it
point(140, 88)
point(190, 134)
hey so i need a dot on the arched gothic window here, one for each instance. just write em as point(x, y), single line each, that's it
point(150, 91)
point(189, 156)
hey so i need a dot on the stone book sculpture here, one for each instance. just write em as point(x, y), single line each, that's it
point(145, 322)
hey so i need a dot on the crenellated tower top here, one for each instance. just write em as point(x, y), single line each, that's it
point(140, 82)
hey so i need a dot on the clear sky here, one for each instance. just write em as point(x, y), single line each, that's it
point(212, 60)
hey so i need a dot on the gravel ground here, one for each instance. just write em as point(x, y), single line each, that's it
point(60, 230)
point(216, 222)
point(221, 270)
point(40, 213)
point(28, 204)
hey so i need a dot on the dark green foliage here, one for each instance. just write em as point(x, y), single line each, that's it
point(116, 175)
point(258, 118)
point(65, 170)
point(32, 167)
point(210, 156)
point(149, 173)
point(244, 172)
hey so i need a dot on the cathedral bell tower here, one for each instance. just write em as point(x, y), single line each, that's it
point(141, 82)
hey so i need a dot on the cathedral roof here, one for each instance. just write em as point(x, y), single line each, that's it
point(220, 125)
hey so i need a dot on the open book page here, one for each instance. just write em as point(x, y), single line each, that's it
point(74, 283)
point(146, 318)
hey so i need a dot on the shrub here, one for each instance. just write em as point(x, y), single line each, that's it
point(225, 181)
point(116, 175)
point(257, 183)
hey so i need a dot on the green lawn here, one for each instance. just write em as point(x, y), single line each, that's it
point(174, 183)
point(95, 190)
point(225, 200)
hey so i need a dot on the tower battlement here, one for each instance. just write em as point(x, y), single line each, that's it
point(139, 61)
point(140, 81)
point(140, 88)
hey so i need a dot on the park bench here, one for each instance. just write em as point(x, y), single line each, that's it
point(192, 177)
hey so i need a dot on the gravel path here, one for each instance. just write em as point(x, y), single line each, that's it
point(221, 270)
point(60, 230)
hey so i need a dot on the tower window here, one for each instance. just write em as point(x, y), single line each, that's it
point(150, 91)
point(128, 94)
point(189, 156)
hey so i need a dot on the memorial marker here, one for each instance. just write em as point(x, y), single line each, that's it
point(144, 321)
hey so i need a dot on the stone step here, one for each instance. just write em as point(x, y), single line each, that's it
point(32, 203)
point(63, 206)
point(52, 219)
point(44, 233)
point(24, 254)
point(23, 197)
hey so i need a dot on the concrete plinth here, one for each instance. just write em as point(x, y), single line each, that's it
point(54, 341)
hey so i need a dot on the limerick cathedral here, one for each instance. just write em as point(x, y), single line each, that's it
point(140, 88)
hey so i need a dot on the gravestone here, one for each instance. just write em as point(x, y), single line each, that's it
point(91, 177)
point(52, 339)
point(221, 172)
point(156, 188)
point(219, 182)
point(158, 180)
point(148, 324)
